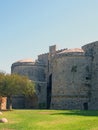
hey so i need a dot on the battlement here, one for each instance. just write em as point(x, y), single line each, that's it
point(68, 75)
point(70, 54)
point(58, 51)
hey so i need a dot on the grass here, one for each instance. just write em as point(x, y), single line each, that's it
point(50, 120)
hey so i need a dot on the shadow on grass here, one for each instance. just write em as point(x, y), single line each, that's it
point(78, 113)
point(62, 112)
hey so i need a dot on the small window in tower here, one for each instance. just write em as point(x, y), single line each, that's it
point(74, 68)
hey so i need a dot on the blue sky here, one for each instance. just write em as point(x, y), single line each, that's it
point(29, 27)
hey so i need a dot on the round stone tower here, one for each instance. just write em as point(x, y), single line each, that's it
point(35, 71)
point(69, 72)
point(28, 67)
point(91, 50)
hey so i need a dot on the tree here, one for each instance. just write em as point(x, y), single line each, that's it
point(15, 85)
point(1, 83)
point(28, 87)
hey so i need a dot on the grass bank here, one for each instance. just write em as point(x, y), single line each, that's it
point(50, 120)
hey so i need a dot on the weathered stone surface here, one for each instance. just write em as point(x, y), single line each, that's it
point(3, 101)
point(36, 71)
point(3, 120)
point(66, 79)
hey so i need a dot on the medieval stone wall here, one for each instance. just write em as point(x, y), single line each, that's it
point(66, 79)
point(35, 72)
point(92, 51)
point(69, 85)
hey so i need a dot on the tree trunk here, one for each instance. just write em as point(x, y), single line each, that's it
point(10, 103)
point(0, 103)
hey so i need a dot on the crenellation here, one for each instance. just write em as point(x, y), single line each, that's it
point(66, 78)
point(69, 54)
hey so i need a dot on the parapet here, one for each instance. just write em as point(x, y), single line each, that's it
point(24, 62)
point(91, 48)
point(70, 52)
point(43, 58)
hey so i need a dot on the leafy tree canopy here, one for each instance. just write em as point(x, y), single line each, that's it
point(14, 84)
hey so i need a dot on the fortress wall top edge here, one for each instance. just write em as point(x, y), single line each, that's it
point(69, 54)
point(27, 64)
point(90, 48)
point(90, 45)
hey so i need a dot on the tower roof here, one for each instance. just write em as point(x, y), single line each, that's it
point(26, 60)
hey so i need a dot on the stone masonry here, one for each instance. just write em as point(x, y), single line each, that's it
point(66, 79)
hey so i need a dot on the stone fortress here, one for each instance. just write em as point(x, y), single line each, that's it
point(66, 79)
